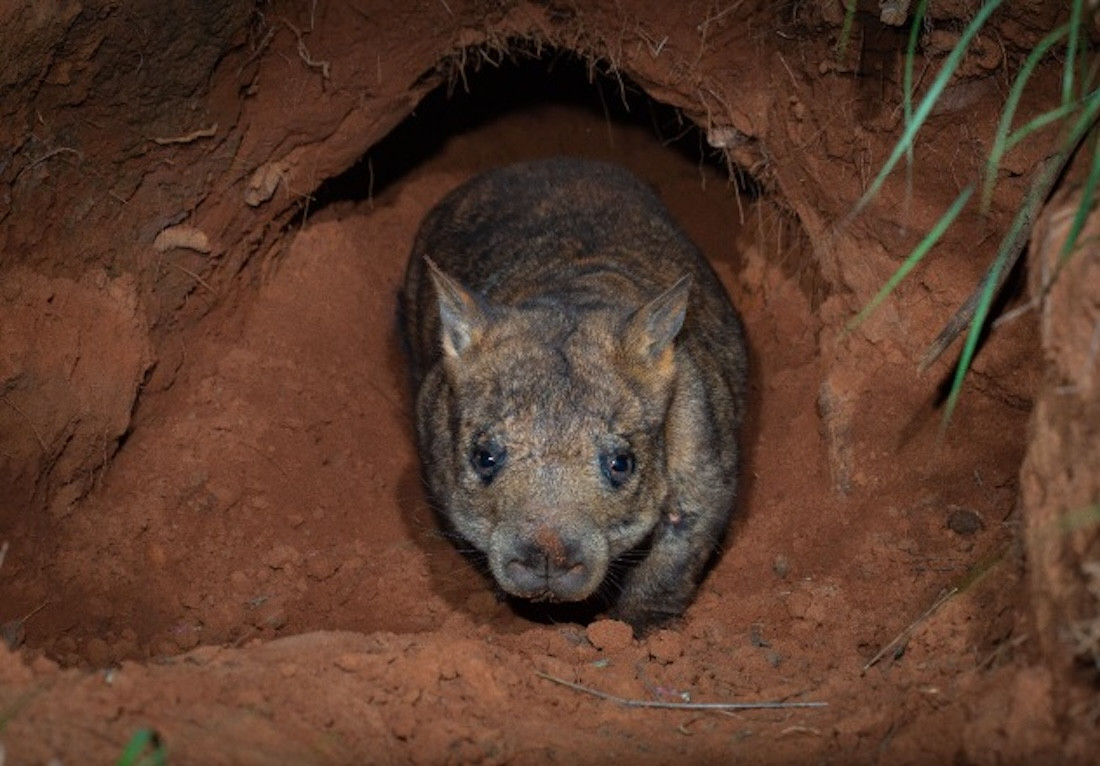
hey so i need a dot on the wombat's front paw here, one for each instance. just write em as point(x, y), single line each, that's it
point(645, 621)
point(646, 614)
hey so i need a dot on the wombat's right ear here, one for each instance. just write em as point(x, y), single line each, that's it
point(462, 315)
point(655, 325)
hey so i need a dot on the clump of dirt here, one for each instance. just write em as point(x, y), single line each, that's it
point(208, 487)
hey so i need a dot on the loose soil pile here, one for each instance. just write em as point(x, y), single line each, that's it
point(210, 509)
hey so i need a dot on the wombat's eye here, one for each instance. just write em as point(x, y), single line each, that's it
point(486, 460)
point(617, 466)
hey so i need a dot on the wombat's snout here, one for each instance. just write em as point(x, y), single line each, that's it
point(545, 564)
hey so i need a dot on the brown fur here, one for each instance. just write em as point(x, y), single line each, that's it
point(581, 381)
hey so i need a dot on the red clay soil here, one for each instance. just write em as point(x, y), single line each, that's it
point(213, 521)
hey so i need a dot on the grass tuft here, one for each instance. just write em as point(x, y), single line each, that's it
point(1075, 117)
point(145, 748)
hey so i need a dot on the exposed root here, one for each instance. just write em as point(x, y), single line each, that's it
point(303, 53)
point(187, 138)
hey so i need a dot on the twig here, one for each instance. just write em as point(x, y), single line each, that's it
point(194, 276)
point(702, 27)
point(3, 552)
point(905, 634)
point(33, 612)
point(46, 156)
point(268, 37)
point(187, 138)
point(54, 153)
point(637, 703)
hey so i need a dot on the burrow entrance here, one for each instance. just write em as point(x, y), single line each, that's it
point(271, 488)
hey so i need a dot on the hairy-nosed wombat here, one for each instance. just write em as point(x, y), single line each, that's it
point(582, 378)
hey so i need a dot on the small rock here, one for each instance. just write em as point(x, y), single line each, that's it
point(270, 616)
point(97, 652)
point(756, 636)
point(963, 521)
point(781, 566)
point(352, 662)
point(665, 646)
point(610, 635)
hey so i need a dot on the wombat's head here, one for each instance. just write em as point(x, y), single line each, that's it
point(547, 446)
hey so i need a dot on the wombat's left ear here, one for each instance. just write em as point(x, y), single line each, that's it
point(461, 314)
point(655, 325)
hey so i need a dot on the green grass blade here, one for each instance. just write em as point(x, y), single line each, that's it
point(972, 336)
point(1071, 50)
point(950, 65)
point(1000, 137)
point(1039, 122)
point(846, 29)
point(916, 23)
point(913, 259)
point(1023, 220)
point(143, 749)
point(1088, 199)
point(1088, 194)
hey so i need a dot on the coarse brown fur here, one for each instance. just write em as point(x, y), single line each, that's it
point(581, 381)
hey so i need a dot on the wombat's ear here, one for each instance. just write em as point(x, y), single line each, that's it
point(654, 325)
point(461, 313)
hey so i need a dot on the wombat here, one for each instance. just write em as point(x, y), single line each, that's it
point(581, 381)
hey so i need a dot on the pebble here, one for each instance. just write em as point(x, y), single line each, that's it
point(610, 635)
point(665, 646)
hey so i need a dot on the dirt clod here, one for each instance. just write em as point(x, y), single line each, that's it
point(610, 635)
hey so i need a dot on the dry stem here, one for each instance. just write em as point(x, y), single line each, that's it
point(639, 703)
point(905, 634)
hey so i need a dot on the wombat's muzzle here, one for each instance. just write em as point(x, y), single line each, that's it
point(546, 565)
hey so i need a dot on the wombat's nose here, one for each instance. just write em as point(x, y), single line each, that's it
point(548, 565)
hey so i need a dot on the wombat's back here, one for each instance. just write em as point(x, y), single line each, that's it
point(540, 228)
